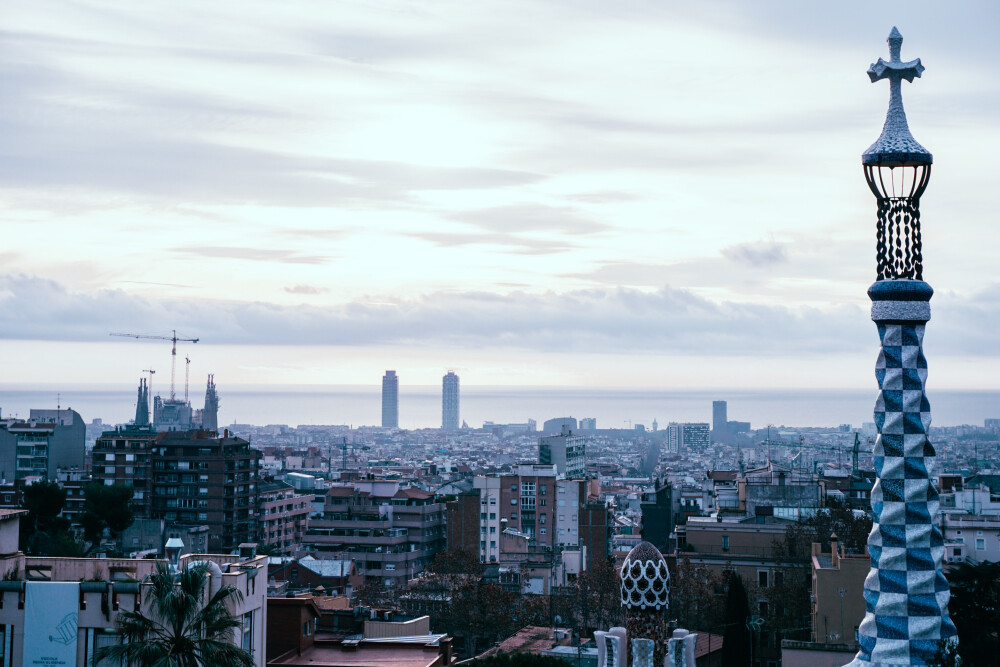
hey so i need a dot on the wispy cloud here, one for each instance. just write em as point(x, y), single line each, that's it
point(309, 290)
point(251, 254)
point(756, 254)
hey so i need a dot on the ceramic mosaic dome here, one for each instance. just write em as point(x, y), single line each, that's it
point(645, 581)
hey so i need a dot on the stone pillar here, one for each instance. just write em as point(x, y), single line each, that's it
point(906, 594)
point(680, 649)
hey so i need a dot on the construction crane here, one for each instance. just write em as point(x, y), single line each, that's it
point(187, 376)
point(173, 352)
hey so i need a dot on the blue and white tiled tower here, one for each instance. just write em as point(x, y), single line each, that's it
point(906, 594)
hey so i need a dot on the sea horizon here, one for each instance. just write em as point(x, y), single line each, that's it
point(420, 406)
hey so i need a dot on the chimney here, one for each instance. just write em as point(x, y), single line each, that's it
point(835, 550)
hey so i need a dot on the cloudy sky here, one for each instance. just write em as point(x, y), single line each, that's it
point(533, 193)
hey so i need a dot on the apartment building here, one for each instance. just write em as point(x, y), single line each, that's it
point(49, 440)
point(186, 478)
point(391, 532)
point(284, 516)
point(549, 512)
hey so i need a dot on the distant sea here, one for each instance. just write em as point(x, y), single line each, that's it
point(420, 406)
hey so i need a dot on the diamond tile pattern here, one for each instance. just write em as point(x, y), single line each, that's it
point(906, 594)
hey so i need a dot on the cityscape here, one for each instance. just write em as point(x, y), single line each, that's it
point(523, 336)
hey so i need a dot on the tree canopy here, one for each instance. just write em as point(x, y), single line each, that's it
point(179, 629)
point(106, 507)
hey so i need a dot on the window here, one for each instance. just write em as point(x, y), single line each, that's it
point(527, 488)
point(390, 566)
point(513, 501)
point(762, 578)
point(980, 543)
point(493, 501)
point(482, 544)
point(725, 542)
point(541, 531)
point(513, 516)
point(513, 488)
point(248, 632)
point(307, 628)
point(762, 608)
point(482, 516)
point(203, 491)
point(541, 519)
point(779, 578)
point(493, 529)
point(541, 489)
point(493, 544)
point(493, 516)
point(109, 470)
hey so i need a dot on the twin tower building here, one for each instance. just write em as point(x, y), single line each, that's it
point(449, 401)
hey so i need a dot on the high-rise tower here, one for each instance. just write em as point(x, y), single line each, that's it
point(720, 416)
point(210, 415)
point(390, 400)
point(449, 402)
point(906, 594)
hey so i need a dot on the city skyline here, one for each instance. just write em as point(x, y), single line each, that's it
point(325, 190)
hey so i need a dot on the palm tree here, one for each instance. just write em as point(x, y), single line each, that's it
point(179, 631)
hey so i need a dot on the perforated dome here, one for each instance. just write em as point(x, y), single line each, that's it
point(645, 581)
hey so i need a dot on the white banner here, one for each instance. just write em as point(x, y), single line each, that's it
point(51, 610)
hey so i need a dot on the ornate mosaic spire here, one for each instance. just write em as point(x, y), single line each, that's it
point(906, 594)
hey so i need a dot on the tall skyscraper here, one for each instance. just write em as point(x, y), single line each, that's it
point(390, 400)
point(449, 402)
point(719, 416)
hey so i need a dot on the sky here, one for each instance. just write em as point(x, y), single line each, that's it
point(641, 194)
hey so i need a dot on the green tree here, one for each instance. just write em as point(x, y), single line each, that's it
point(106, 507)
point(179, 631)
point(697, 597)
point(44, 526)
point(458, 561)
point(975, 610)
point(736, 638)
point(596, 598)
point(44, 502)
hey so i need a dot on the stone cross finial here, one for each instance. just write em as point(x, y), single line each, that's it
point(895, 68)
point(896, 145)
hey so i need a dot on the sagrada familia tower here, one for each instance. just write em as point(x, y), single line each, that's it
point(906, 594)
